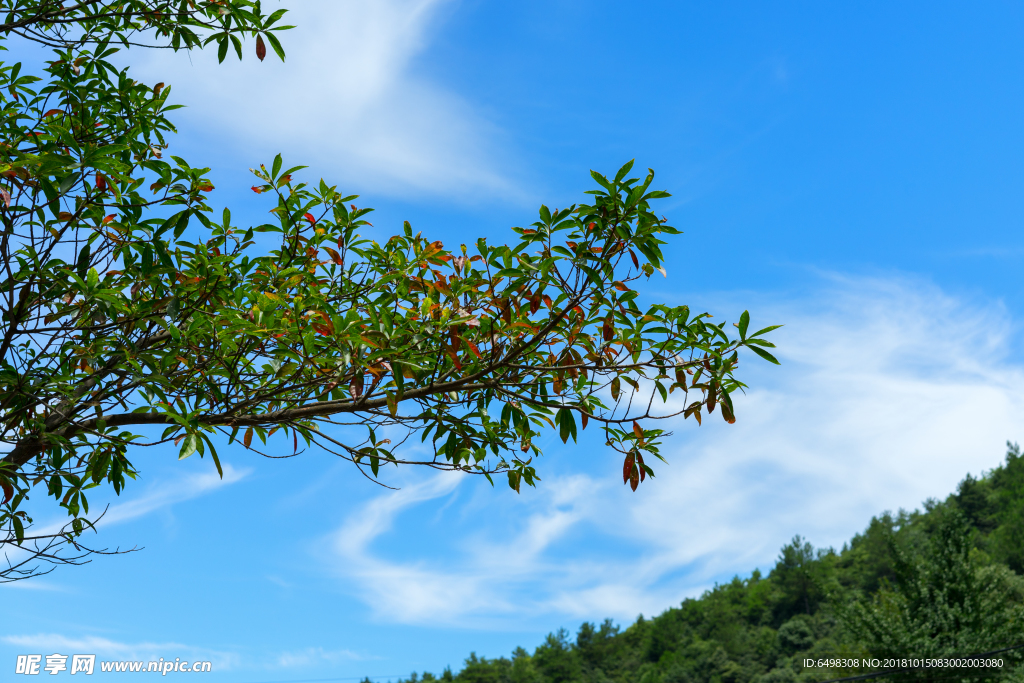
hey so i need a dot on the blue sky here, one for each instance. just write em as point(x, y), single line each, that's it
point(853, 171)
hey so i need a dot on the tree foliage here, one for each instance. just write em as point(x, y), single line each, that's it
point(946, 604)
point(134, 314)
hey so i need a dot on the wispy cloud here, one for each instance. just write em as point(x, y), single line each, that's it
point(348, 100)
point(157, 496)
point(174, 491)
point(890, 391)
point(162, 495)
point(312, 656)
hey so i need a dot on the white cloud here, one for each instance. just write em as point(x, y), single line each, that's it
point(316, 655)
point(890, 391)
point(174, 491)
point(162, 495)
point(348, 101)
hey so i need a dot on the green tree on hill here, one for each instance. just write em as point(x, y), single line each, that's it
point(931, 582)
point(946, 604)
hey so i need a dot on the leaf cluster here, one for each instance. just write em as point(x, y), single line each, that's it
point(135, 315)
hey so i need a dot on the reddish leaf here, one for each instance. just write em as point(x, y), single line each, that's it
point(451, 354)
point(6, 196)
point(627, 468)
point(64, 216)
point(53, 112)
point(640, 461)
point(108, 219)
point(431, 248)
point(619, 286)
point(101, 183)
point(634, 479)
point(584, 419)
point(635, 261)
point(474, 349)
point(206, 187)
point(639, 432)
point(247, 439)
point(309, 217)
point(727, 414)
point(335, 256)
point(256, 189)
point(261, 48)
point(607, 331)
point(8, 491)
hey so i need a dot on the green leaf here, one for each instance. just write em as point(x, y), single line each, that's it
point(189, 446)
point(83, 261)
point(624, 170)
point(68, 183)
point(766, 330)
point(276, 45)
point(566, 421)
point(764, 354)
point(392, 402)
point(238, 46)
point(744, 321)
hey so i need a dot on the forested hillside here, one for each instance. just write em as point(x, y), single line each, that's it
point(938, 582)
